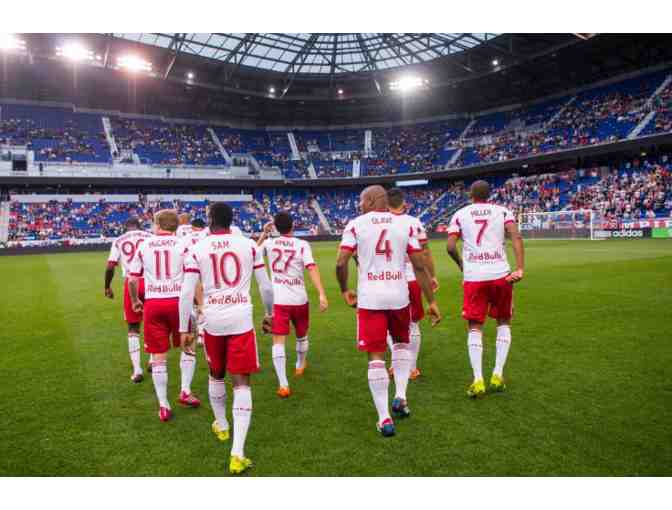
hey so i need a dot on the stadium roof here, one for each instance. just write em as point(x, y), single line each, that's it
point(315, 54)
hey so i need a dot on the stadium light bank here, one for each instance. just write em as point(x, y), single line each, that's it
point(75, 52)
point(9, 42)
point(408, 84)
point(134, 64)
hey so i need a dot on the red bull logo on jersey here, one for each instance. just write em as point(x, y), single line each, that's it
point(385, 276)
point(485, 256)
point(287, 281)
point(165, 288)
point(228, 299)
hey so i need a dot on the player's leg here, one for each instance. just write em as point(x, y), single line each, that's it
point(157, 343)
point(301, 320)
point(133, 319)
point(371, 338)
point(280, 365)
point(502, 311)
point(399, 326)
point(280, 330)
point(417, 314)
point(134, 351)
point(187, 362)
point(474, 310)
point(242, 360)
point(215, 354)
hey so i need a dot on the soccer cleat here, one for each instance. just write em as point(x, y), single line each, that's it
point(415, 373)
point(497, 384)
point(239, 465)
point(222, 434)
point(400, 408)
point(165, 414)
point(386, 428)
point(476, 389)
point(298, 372)
point(188, 400)
point(137, 378)
point(283, 392)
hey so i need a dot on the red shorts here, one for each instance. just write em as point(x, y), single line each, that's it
point(299, 315)
point(494, 298)
point(129, 315)
point(236, 354)
point(162, 321)
point(373, 325)
point(415, 297)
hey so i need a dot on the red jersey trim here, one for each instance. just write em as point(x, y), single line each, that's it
point(220, 231)
point(410, 249)
point(508, 221)
point(111, 264)
point(137, 275)
point(308, 266)
point(192, 270)
point(348, 248)
point(423, 241)
point(165, 233)
point(258, 266)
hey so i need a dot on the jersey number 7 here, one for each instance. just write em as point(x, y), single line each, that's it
point(481, 231)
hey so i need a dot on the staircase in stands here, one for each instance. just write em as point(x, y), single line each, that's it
point(222, 150)
point(4, 221)
point(296, 155)
point(109, 135)
point(320, 214)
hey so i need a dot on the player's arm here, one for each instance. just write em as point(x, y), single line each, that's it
point(265, 233)
point(314, 273)
point(454, 253)
point(344, 256)
point(429, 265)
point(265, 288)
point(109, 274)
point(189, 284)
point(418, 260)
point(518, 251)
point(133, 285)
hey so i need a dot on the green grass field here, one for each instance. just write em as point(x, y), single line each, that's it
point(590, 385)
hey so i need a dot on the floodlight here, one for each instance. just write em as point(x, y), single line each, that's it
point(75, 52)
point(407, 83)
point(271, 89)
point(495, 62)
point(134, 63)
point(11, 42)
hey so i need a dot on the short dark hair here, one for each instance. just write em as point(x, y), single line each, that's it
point(395, 197)
point(132, 222)
point(220, 214)
point(283, 222)
point(198, 223)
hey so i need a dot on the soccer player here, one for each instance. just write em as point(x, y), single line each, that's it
point(161, 259)
point(289, 257)
point(382, 241)
point(397, 206)
point(184, 228)
point(224, 264)
point(124, 250)
point(198, 232)
point(488, 280)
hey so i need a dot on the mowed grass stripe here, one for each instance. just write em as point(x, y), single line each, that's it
point(587, 370)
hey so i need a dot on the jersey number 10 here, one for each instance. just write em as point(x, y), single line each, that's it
point(219, 270)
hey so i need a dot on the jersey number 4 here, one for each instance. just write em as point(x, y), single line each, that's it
point(220, 272)
point(383, 246)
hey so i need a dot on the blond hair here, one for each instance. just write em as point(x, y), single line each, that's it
point(166, 219)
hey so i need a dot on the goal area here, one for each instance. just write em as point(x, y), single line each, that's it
point(580, 224)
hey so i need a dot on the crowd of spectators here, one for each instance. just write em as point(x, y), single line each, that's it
point(157, 142)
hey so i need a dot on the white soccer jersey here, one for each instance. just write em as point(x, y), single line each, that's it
point(481, 226)
point(160, 260)
point(235, 231)
point(226, 263)
point(416, 227)
point(184, 230)
point(288, 258)
point(125, 247)
point(382, 240)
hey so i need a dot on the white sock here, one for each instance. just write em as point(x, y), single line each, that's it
point(415, 344)
point(475, 344)
point(379, 383)
point(134, 352)
point(401, 366)
point(217, 392)
point(160, 378)
point(301, 351)
point(503, 344)
point(280, 364)
point(187, 369)
point(390, 343)
point(242, 413)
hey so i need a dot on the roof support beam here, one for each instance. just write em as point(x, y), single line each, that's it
point(371, 63)
point(175, 46)
point(294, 67)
